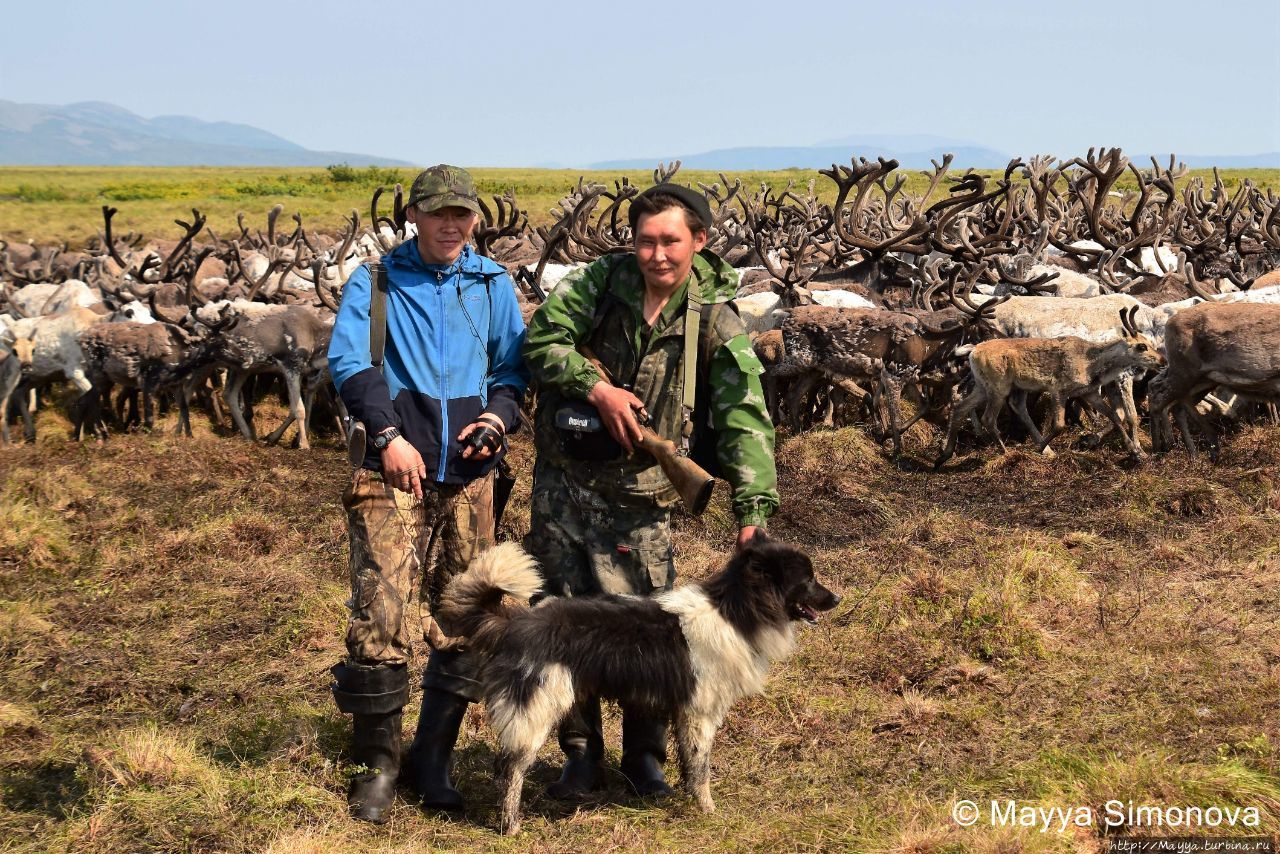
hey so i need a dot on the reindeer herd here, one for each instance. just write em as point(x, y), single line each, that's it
point(1050, 287)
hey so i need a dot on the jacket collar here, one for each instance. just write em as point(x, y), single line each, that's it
point(715, 280)
point(406, 255)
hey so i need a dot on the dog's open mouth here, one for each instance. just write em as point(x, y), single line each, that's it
point(800, 611)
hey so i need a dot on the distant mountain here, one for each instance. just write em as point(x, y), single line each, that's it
point(818, 157)
point(94, 133)
point(898, 141)
point(912, 151)
point(1270, 160)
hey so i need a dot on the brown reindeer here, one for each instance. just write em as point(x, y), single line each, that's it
point(1235, 345)
point(1062, 368)
point(887, 348)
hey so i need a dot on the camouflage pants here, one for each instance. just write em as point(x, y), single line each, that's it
point(589, 544)
point(403, 553)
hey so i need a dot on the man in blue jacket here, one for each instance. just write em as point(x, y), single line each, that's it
point(421, 507)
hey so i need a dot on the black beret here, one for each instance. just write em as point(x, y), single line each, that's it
point(692, 199)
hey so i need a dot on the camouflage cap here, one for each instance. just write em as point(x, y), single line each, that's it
point(444, 186)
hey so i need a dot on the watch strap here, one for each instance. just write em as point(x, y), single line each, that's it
point(381, 440)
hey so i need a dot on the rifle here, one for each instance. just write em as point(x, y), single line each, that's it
point(690, 480)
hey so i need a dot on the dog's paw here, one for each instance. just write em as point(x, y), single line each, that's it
point(706, 805)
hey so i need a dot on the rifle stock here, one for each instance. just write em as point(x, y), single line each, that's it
point(356, 443)
point(691, 481)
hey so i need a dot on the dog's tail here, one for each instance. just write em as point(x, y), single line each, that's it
point(472, 605)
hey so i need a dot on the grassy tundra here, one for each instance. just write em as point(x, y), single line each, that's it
point(56, 204)
point(1061, 633)
point(1056, 633)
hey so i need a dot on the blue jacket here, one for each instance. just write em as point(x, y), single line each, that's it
point(453, 351)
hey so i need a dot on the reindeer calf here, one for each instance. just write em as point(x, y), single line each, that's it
point(1062, 368)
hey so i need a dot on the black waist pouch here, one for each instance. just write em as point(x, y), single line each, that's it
point(583, 435)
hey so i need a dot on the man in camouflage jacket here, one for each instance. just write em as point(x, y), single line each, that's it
point(605, 526)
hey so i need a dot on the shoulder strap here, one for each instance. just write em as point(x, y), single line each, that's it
point(693, 316)
point(377, 313)
point(488, 278)
point(707, 328)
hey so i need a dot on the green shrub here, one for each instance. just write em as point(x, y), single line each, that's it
point(370, 176)
point(280, 186)
point(41, 193)
point(342, 173)
point(138, 192)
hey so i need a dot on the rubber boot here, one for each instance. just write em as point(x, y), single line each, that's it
point(374, 696)
point(428, 760)
point(644, 752)
point(582, 740)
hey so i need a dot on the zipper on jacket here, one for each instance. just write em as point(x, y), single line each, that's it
point(444, 379)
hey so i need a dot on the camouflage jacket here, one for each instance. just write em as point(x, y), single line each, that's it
point(602, 305)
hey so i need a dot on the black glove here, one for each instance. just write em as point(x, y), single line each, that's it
point(484, 436)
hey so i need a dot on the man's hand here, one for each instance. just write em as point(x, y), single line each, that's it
point(402, 466)
point(488, 430)
point(745, 535)
point(618, 408)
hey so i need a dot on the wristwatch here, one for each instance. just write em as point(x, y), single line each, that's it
point(381, 440)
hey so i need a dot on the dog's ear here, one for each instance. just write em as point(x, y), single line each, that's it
point(750, 550)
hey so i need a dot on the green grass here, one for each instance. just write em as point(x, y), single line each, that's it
point(56, 204)
point(1059, 632)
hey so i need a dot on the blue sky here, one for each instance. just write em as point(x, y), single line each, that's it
point(496, 83)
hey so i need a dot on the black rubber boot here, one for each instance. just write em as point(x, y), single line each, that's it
point(374, 696)
point(582, 740)
point(427, 762)
point(644, 752)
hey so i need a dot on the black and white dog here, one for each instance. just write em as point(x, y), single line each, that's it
point(686, 655)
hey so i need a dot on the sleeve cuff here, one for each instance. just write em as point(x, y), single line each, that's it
point(754, 515)
point(368, 399)
point(377, 421)
point(505, 404)
point(582, 387)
